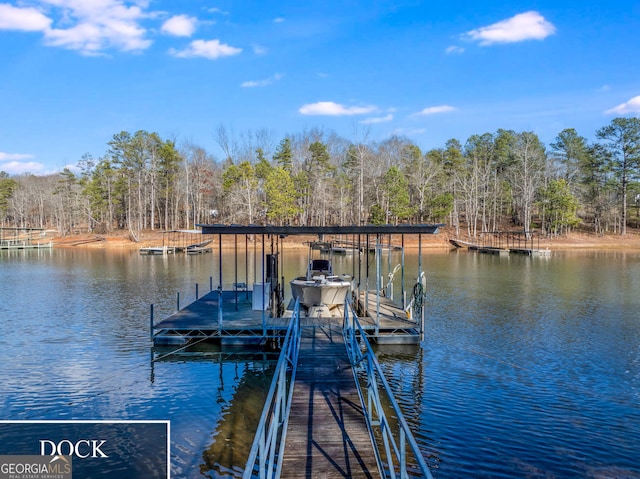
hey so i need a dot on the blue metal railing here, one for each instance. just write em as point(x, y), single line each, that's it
point(265, 458)
point(397, 441)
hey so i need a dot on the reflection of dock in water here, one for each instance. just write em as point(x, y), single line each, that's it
point(234, 433)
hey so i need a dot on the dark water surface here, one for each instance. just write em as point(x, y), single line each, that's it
point(530, 366)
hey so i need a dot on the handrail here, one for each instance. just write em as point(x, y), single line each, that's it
point(364, 360)
point(272, 429)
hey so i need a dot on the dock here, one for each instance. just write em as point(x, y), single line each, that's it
point(23, 238)
point(503, 243)
point(179, 241)
point(329, 411)
point(224, 316)
point(236, 322)
point(327, 435)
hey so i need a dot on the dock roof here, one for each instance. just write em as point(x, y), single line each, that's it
point(320, 230)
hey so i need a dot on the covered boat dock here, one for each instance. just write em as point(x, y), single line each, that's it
point(238, 311)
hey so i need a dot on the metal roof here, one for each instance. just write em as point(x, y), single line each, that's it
point(320, 230)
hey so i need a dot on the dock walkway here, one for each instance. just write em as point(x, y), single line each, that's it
point(327, 435)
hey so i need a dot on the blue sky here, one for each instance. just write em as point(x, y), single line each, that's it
point(75, 72)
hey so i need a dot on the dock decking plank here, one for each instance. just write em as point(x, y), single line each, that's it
point(327, 435)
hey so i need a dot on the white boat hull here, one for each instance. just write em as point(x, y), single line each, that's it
point(329, 292)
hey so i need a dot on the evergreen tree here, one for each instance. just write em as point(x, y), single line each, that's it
point(281, 196)
point(283, 155)
point(560, 207)
point(622, 141)
point(396, 188)
point(7, 187)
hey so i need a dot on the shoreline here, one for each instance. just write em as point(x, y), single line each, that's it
point(434, 243)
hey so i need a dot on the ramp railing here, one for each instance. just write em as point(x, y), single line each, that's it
point(265, 458)
point(397, 451)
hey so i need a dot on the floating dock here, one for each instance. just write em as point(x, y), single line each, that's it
point(179, 241)
point(259, 316)
point(224, 316)
point(325, 410)
point(229, 317)
point(23, 238)
point(504, 243)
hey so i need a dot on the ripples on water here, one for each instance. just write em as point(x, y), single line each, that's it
point(530, 366)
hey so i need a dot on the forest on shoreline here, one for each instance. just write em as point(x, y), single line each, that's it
point(505, 180)
point(439, 242)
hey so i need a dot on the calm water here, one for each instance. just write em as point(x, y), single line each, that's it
point(530, 366)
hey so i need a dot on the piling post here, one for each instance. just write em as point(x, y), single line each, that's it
point(196, 291)
point(178, 301)
point(151, 322)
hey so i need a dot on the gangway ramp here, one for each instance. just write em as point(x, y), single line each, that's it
point(324, 416)
point(327, 434)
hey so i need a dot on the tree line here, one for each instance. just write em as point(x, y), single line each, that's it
point(492, 181)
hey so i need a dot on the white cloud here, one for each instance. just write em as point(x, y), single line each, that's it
point(24, 19)
point(409, 131)
point(211, 49)
point(380, 119)
point(631, 106)
point(432, 110)
point(218, 11)
point(454, 49)
point(180, 26)
point(14, 156)
point(259, 49)
point(259, 83)
point(334, 109)
point(524, 26)
point(94, 26)
point(90, 27)
point(278, 20)
point(21, 167)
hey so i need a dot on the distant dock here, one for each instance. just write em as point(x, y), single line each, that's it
point(179, 241)
point(505, 243)
point(23, 238)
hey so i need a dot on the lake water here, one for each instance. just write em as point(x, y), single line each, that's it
point(530, 367)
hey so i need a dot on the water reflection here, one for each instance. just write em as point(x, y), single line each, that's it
point(530, 366)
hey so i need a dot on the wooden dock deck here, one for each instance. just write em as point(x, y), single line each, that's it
point(327, 436)
point(243, 325)
point(393, 323)
point(201, 319)
point(504, 249)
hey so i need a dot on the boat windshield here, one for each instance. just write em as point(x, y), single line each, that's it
point(321, 266)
